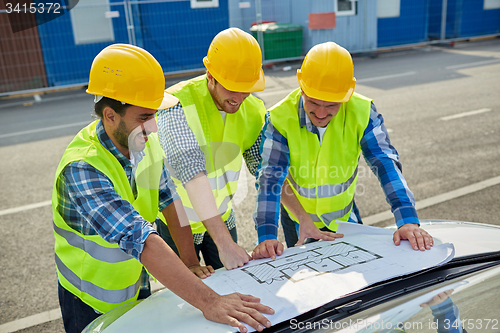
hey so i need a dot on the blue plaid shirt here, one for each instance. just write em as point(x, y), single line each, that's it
point(377, 150)
point(89, 203)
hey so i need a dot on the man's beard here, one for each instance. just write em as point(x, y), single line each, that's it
point(121, 135)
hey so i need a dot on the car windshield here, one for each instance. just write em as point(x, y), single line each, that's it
point(470, 304)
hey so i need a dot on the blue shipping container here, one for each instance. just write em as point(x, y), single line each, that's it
point(69, 63)
point(464, 18)
point(177, 35)
point(409, 27)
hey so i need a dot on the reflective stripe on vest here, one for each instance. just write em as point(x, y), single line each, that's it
point(323, 191)
point(331, 216)
point(104, 295)
point(105, 254)
point(221, 181)
point(97, 272)
point(323, 177)
point(222, 144)
point(224, 206)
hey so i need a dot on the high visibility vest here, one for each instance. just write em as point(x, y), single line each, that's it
point(97, 272)
point(222, 143)
point(323, 177)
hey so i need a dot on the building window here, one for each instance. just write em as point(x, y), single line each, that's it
point(345, 7)
point(491, 4)
point(388, 8)
point(90, 23)
point(204, 3)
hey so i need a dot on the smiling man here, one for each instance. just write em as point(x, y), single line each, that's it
point(311, 144)
point(205, 136)
point(109, 188)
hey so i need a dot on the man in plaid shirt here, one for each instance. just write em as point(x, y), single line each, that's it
point(311, 144)
point(110, 185)
point(215, 125)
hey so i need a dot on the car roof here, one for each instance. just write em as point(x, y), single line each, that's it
point(469, 238)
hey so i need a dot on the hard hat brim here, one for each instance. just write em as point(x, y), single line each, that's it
point(244, 87)
point(238, 86)
point(168, 101)
point(323, 95)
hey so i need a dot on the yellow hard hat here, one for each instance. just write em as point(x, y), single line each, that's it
point(129, 74)
point(327, 73)
point(234, 59)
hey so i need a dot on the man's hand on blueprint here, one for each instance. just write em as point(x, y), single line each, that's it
point(268, 249)
point(235, 308)
point(418, 237)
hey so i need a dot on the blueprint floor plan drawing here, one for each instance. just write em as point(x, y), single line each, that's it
point(313, 262)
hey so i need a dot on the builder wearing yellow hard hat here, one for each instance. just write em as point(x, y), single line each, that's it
point(109, 188)
point(207, 135)
point(312, 141)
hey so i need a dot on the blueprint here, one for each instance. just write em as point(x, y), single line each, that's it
point(301, 279)
point(312, 262)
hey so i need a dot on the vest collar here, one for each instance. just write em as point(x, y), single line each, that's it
point(304, 119)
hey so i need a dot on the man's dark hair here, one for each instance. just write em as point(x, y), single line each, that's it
point(215, 80)
point(112, 103)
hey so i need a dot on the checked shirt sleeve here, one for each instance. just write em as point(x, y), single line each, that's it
point(270, 175)
point(252, 156)
point(383, 160)
point(167, 191)
point(447, 317)
point(98, 204)
point(179, 143)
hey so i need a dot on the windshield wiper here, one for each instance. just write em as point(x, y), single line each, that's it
point(476, 258)
point(390, 289)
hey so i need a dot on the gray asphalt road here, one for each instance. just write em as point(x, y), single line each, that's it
point(413, 89)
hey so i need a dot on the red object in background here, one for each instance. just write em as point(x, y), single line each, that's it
point(322, 21)
point(21, 64)
point(263, 22)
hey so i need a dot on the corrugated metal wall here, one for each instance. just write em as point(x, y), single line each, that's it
point(21, 61)
point(357, 33)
